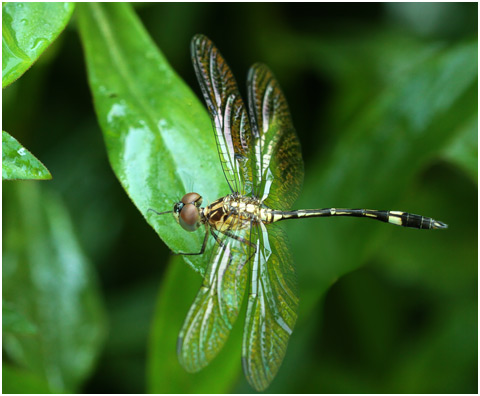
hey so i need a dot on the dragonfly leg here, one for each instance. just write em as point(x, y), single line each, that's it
point(240, 239)
point(243, 240)
point(217, 239)
point(203, 245)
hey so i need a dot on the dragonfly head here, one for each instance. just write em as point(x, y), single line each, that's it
point(187, 211)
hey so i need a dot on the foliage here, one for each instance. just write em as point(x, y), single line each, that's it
point(48, 279)
point(19, 163)
point(27, 30)
point(141, 105)
point(386, 110)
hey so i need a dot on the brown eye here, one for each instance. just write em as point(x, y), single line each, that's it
point(192, 198)
point(189, 217)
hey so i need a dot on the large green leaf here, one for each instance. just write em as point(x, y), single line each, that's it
point(47, 278)
point(158, 136)
point(165, 374)
point(27, 30)
point(19, 163)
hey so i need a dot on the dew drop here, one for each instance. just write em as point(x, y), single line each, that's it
point(38, 43)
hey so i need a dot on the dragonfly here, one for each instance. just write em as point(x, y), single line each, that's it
point(262, 163)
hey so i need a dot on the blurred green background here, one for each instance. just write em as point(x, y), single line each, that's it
point(384, 100)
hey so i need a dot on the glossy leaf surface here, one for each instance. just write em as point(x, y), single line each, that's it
point(158, 135)
point(27, 30)
point(49, 280)
point(19, 163)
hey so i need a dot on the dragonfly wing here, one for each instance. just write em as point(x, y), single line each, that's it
point(272, 307)
point(216, 305)
point(278, 155)
point(227, 111)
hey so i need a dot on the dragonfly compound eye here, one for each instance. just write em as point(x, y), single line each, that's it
point(192, 198)
point(189, 217)
point(178, 208)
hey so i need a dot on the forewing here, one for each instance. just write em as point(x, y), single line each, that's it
point(227, 111)
point(216, 305)
point(277, 148)
point(272, 307)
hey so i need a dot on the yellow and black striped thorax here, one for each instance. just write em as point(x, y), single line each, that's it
point(235, 212)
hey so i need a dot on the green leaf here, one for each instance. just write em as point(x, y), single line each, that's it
point(158, 136)
point(14, 321)
point(165, 375)
point(391, 137)
point(15, 380)
point(19, 163)
point(27, 30)
point(48, 278)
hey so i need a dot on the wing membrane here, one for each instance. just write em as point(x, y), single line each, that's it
point(278, 156)
point(227, 111)
point(272, 307)
point(216, 305)
point(260, 157)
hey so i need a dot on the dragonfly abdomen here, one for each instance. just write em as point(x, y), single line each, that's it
point(403, 219)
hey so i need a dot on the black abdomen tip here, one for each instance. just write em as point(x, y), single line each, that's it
point(415, 221)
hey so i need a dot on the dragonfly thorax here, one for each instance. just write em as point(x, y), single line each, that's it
point(233, 212)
